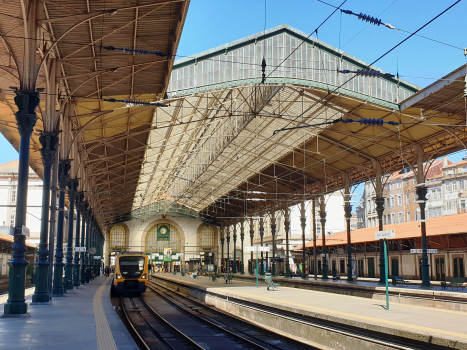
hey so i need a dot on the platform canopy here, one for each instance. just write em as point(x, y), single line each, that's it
point(84, 54)
point(218, 147)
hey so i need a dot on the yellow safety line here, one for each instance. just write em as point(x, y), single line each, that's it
point(373, 319)
point(105, 339)
point(27, 291)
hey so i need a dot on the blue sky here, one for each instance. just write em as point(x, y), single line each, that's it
point(211, 23)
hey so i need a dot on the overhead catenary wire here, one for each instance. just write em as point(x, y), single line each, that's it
point(386, 53)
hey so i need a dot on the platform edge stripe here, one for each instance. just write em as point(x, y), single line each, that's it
point(105, 339)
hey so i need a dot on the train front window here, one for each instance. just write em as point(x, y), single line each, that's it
point(132, 266)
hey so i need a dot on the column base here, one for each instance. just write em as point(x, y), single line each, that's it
point(18, 309)
point(16, 315)
point(41, 303)
point(40, 298)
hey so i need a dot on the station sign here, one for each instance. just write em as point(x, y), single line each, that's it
point(79, 249)
point(97, 257)
point(385, 234)
point(25, 231)
point(257, 249)
point(420, 251)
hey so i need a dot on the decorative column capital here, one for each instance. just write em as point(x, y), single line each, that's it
point(49, 143)
point(63, 177)
point(222, 240)
point(348, 211)
point(72, 187)
point(26, 117)
point(421, 194)
point(303, 222)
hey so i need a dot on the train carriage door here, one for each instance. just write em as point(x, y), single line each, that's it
point(371, 267)
point(458, 267)
point(440, 269)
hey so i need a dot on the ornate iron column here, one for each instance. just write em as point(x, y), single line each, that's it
point(26, 118)
point(425, 266)
point(252, 236)
point(228, 249)
point(303, 225)
point(234, 270)
point(76, 264)
point(273, 233)
point(322, 215)
point(87, 244)
point(315, 259)
point(49, 142)
point(348, 216)
point(222, 244)
point(261, 236)
point(382, 268)
point(287, 227)
point(242, 236)
point(52, 229)
point(63, 169)
point(85, 206)
point(72, 187)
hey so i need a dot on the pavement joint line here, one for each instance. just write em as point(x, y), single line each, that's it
point(105, 339)
point(341, 313)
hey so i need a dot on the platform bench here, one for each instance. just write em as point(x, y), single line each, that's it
point(228, 278)
point(456, 282)
point(398, 280)
point(270, 283)
point(214, 278)
point(336, 277)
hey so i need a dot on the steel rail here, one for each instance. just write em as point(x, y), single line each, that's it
point(183, 335)
point(127, 318)
point(222, 329)
point(332, 329)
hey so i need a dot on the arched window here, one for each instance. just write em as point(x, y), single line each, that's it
point(117, 237)
point(163, 236)
point(206, 237)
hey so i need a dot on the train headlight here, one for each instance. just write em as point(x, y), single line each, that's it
point(144, 276)
point(117, 276)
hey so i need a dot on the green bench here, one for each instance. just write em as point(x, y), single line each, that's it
point(456, 282)
point(213, 278)
point(398, 280)
point(270, 283)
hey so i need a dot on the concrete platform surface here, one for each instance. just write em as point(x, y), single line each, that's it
point(84, 319)
point(353, 310)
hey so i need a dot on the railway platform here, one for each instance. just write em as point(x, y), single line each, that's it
point(291, 308)
point(83, 319)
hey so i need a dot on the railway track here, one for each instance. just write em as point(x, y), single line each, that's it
point(162, 320)
point(369, 338)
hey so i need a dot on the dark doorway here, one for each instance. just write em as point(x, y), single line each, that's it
point(371, 267)
point(342, 263)
point(360, 272)
point(458, 267)
point(394, 267)
point(440, 271)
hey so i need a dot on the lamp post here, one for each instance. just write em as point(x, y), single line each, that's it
point(49, 142)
